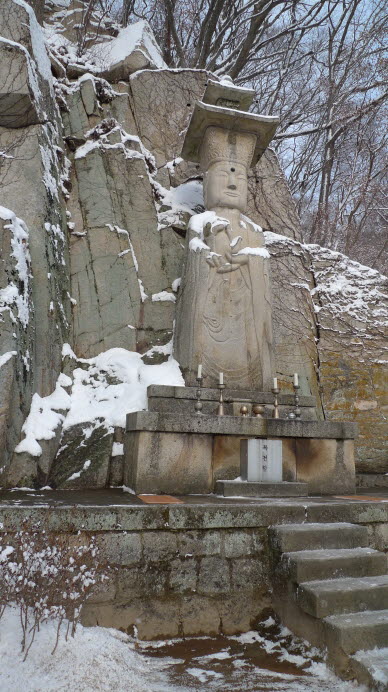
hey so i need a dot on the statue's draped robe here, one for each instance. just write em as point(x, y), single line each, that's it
point(224, 319)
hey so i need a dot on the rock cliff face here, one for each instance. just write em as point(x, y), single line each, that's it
point(96, 205)
point(351, 302)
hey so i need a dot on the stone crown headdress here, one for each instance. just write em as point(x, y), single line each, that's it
point(234, 122)
point(226, 145)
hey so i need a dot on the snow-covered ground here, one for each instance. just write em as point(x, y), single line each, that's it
point(106, 659)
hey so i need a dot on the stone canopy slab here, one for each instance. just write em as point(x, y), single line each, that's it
point(208, 115)
point(230, 96)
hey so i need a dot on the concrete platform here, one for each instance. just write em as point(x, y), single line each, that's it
point(154, 421)
point(103, 510)
point(260, 489)
point(199, 567)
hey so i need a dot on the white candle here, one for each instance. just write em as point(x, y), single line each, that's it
point(296, 379)
point(199, 373)
point(275, 382)
point(221, 378)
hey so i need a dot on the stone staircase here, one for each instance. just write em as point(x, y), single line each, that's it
point(332, 589)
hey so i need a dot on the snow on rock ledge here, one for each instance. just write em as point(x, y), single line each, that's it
point(133, 49)
point(84, 411)
point(351, 305)
point(351, 289)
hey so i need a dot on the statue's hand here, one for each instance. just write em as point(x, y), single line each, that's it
point(207, 229)
point(237, 259)
point(235, 242)
point(214, 227)
point(219, 226)
point(226, 268)
point(214, 260)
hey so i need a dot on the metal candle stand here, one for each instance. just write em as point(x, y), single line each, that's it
point(198, 403)
point(275, 413)
point(257, 410)
point(220, 408)
point(297, 410)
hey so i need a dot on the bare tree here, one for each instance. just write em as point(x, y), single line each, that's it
point(223, 36)
point(319, 64)
point(333, 137)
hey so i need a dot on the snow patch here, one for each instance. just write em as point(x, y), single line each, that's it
point(255, 251)
point(96, 658)
point(163, 296)
point(11, 295)
point(77, 474)
point(6, 357)
point(38, 45)
point(135, 37)
point(198, 222)
point(196, 244)
point(46, 414)
point(114, 384)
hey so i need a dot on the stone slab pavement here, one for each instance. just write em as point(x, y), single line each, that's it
point(113, 509)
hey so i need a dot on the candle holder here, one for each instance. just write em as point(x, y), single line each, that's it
point(220, 408)
point(297, 410)
point(275, 413)
point(198, 404)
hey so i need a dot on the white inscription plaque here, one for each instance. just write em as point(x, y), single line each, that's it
point(261, 460)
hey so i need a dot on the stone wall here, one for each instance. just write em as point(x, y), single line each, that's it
point(183, 583)
point(186, 570)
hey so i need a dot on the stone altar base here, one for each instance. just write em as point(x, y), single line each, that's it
point(185, 453)
point(260, 489)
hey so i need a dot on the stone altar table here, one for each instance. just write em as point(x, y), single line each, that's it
point(188, 454)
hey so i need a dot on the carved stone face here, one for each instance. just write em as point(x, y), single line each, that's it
point(226, 185)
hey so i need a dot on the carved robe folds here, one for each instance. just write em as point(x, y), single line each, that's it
point(224, 310)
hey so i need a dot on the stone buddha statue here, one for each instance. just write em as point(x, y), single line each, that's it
point(224, 309)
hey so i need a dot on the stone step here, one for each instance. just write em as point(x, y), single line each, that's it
point(371, 668)
point(260, 489)
point(314, 565)
point(293, 537)
point(357, 631)
point(348, 595)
